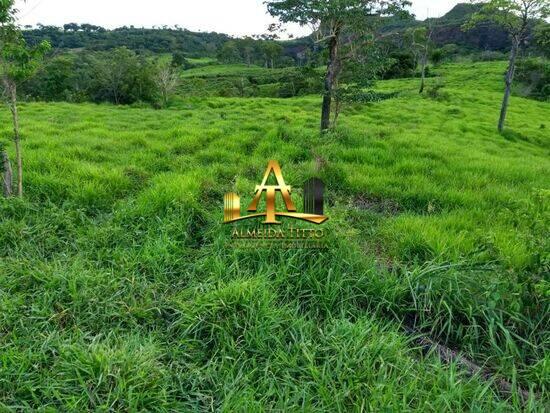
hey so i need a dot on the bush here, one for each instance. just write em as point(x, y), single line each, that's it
point(437, 56)
point(534, 76)
point(180, 61)
point(448, 52)
point(436, 92)
point(400, 65)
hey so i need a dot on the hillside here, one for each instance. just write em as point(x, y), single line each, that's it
point(73, 36)
point(120, 290)
point(448, 30)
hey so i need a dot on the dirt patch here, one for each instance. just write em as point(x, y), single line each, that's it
point(377, 204)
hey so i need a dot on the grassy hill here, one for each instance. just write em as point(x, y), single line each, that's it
point(120, 291)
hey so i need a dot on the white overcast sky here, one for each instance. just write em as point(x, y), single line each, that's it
point(234, 17)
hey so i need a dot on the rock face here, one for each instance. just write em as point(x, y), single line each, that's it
point(448, 29)
point(484, 37)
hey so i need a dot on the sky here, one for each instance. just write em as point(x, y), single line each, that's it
point(234, 17)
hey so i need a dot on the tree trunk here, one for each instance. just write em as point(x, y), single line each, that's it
point(423, 73)
point(7, 174)
point(508, 80)
point(16, 137)
point(329, 81)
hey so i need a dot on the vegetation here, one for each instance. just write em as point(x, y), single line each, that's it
point(118, 76)
point(534, 78)
point(515, 16)
point(159, 40)
point(421, 38)
point(119, 290)
point(17, 63)
point(339, 24)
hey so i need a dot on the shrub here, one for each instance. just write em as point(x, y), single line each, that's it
point(436, 92)
point(534, 75)
point(400, 65)
point(437, 56)
point(180, 61)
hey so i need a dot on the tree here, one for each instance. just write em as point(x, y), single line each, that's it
point(54, 80)
point(119, 76)
point(229, 52)
point(71, 27)
point(271, 51)
point(361, 65)
point(17, 63)
point(515, 16)
point(542, 38)
point(166, 80)
point(5, 165)
point(247, 47)
point(333, 22)
point(421, 38)
point(180, 61)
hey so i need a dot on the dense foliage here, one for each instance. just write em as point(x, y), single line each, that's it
point(118, 76)
point(160, 40)
point(534, 76)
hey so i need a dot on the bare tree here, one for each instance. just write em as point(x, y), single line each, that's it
point(515, 16)
point(421, 39)
point(166, 80)
point(17, 63)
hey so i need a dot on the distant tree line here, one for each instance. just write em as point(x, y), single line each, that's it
point(487, 37)
point(122, 66)
point(268, 53)
point(157, 40)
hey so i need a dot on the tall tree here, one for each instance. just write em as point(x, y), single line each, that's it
point(247, 48)
point(333, 21)
point(229, 52)
point(515, 16)
point(271, 51)
point(421, 38)
point(17, 63)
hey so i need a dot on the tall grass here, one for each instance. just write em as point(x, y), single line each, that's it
point(119, 289)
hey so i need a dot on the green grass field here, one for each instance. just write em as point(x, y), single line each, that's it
point(120, 292)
